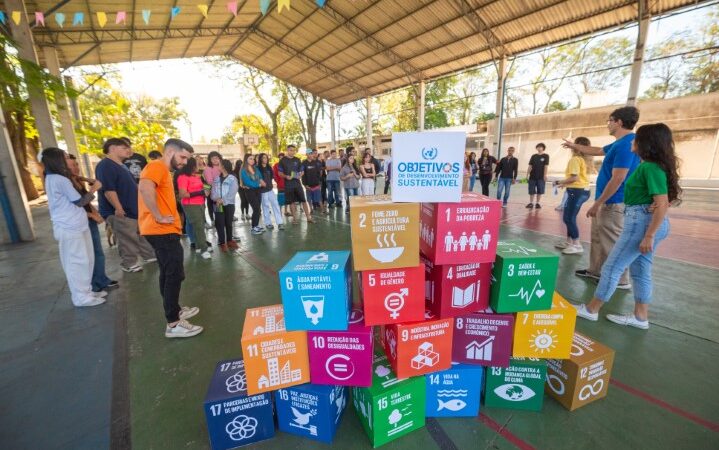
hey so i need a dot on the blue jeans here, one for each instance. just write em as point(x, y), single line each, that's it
point(333, 192)
point(348, 193)
point(626, 254)
point(503, 184)
point(575, 199)
point(100, 280)
point(472, 179)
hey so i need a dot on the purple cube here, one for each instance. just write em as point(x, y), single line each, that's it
point(483, 338)
point(341, 357)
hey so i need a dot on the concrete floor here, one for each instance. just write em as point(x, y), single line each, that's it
point(107, 378)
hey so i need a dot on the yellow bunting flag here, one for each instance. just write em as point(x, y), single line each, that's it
point(101, 19)
point(203, 9)
point(282, 4)
point(16, 16)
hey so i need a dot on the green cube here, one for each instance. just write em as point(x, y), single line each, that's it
point(390, 408)
point(519, 386)
point(523, 277)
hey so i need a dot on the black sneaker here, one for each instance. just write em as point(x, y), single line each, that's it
point(529, 206)
point(112, 284)
point(537, 206)
point(193, 246)
point(584, 273)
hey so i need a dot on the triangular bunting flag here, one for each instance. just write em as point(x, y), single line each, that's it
point(60, 19)
point(121, 17)
point(264, 6)
point(40, 18)
point(282, 4)
point(3, 19)
point(16, 16)
point(78, 18)
point(321, 3)
point(146, 16)
point(175, 11)
point(101, 19)
point(232, 7)
point(203, 9)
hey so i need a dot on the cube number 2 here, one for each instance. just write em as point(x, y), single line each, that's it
point(362, 220)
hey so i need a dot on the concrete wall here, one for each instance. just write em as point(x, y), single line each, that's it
point(694, 121)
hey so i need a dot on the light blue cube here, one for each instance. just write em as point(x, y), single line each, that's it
point(454, 392)
point(311, 410)
point(316, 291)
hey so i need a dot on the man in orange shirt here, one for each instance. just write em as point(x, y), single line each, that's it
point(159, 223)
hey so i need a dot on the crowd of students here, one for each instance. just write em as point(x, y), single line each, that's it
point(149, 206)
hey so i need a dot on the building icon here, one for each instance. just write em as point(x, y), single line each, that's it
point(271, 326)
point(481, 351)
point(276, 377)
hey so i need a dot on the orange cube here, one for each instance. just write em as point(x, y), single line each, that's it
point(418, 348)
point(545, 334)
point(274, 358)
point(385, 235)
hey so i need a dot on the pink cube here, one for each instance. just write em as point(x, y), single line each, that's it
point(341, 357)
point(483, 338)
point(458, 233)
point(456, 289)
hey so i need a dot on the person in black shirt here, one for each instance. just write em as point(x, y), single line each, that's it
point(312, 179)
point(484, 167)
point(290, 168)
point(537, 176)
point(506, 173)
point(135, 163)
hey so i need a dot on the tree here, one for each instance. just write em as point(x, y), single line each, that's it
point(704, 73)
point(308, 108)
point(669, 75)
point(248, 124)
point(556, 105)
point(467, 88)
point(602, 54)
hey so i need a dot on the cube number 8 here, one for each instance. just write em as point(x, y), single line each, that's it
point(460, 323)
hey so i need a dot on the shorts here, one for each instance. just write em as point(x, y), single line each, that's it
point(536, 186)
point(314, 195)
point(281, 198)
point(294, 194)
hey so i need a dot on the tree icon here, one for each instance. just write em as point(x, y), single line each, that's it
point(395, 417)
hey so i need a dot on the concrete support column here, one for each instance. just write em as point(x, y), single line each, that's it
point(16, 222)
point(333, 136)
point(63, 110)
point(26, 50)
point(370, 141)
point(420, 117)
point(77, 117)
point(496, 141)
point(642, 34)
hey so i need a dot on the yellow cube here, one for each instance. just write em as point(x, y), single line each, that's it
point(545, 334)
point(385, 235)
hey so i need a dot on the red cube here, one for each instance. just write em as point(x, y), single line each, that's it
point(392, 295)
point(458, 233)
point(418, 348)
point(456, 289)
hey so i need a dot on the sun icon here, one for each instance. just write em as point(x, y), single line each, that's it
point(543, 342)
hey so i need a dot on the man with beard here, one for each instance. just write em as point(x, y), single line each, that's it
point(160, 224)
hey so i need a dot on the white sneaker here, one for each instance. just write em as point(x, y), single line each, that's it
point(183, 329)
point(624, 286)
point(100, 294)
point(132, 269)
point(563, 244)
point(628, 320)
point(198, 251)
point(206, 255)
point(188, 311)
point(151, 260)
point(573, 250)
point(584, 313)
point(92, 302)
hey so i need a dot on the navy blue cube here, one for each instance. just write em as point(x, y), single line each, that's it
point(454, 392)
point(235, 419)
point(311, 410)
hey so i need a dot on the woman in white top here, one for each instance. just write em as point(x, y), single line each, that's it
point(367, 170)
point(70, 227)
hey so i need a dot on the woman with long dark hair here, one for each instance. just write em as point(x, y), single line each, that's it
point(223, 194)
point(648, 193)
point(253, 182)
point(244, 203)
point(209, 173)
point(350, 177)
point(192, 192)
point(473, 170)
point(270, 204)
point(70, 227)
point(367, 170)
point(484, 166)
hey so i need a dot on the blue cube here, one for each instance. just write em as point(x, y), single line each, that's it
point(317, 291)
point(311, 410)
point(235, 419)
point(454, 392)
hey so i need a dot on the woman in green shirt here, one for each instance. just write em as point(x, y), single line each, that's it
point(648, 192)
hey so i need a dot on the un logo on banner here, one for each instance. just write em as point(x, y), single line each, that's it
point(429, 153)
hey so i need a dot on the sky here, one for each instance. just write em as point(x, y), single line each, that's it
point(212, 102)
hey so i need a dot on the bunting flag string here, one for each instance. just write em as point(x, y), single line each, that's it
point(78, 19)
point(282, 4)
point(40, 18)
point(203, 9)
point(101, 19)
point(121, 17)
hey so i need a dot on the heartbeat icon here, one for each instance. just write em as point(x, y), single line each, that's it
point(527, 296)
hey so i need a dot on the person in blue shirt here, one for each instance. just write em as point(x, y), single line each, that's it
point(252, 180)
point(607, 212)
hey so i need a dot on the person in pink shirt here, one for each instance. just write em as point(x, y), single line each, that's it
point(212, 171)
point(192, 193)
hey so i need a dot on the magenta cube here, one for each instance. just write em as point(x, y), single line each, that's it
point(483, 338)
point(341, 357)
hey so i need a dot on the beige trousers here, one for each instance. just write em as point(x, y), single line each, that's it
point(606, 228)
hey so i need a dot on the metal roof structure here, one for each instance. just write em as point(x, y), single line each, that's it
point(344, 51)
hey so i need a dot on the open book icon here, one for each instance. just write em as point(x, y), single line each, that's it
point(463, 297)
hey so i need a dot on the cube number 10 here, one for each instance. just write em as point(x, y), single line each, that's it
point(319, 341)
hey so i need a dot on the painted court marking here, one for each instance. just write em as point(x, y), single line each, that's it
point(505, 433)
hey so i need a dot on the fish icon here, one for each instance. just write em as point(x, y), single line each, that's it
point(452, 405)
